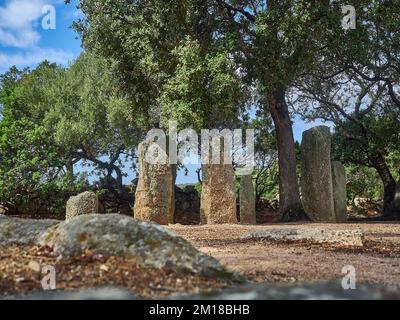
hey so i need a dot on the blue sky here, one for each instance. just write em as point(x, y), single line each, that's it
point(24, 42)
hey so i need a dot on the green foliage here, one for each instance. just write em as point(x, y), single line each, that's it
point(204, 92)
point(52, 119)
point(352, 145)
point(363, 182)
point(266, 173)
point(30, 168)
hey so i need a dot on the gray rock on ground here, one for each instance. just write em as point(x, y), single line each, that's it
point(15, 231)
point(262, 291)
point(107, 293)
point(316, 175)
point(84, 203)
point(353, 238)
point(247, 200)
point(148, 243)
point(339, 191)
point(300, 291)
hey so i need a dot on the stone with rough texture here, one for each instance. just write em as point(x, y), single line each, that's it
point(107, 293)
point(300, 291)
point(397, 198)
point(339, 191)
point(14, 231)
point(262, 291)
point(84, 203)
point(247, 200)
point(353, 238)
point(148, 243)
point(316, 175)
point(218, 194)
point(154, 193)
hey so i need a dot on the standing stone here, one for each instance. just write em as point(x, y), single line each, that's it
point(218, 194)
point(172, 209)
point(84, 203)
point(339, 191)
point(247, 200)
point(397, 198)
point(153, 198)
point(316, 175)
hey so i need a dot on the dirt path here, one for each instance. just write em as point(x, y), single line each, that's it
point(261, 260)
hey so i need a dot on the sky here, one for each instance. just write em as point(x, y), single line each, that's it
point(25, 42)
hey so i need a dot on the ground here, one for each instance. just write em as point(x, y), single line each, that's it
point(260, 260)
point(378, 262)
point(20, 273)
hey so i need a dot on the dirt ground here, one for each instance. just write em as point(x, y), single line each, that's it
point(21, 273)
point(378, 262)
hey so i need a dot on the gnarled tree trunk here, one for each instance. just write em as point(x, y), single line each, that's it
point(390, 209)
point(289, 196)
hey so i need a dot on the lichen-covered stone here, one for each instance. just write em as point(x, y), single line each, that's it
point(339, 191)
point(353, 238)
point(116, 235)
point(332, 290)
point(14, 231)
point(247, 200)
point(154, 194)
point(218, 194)
point(84, 203)
point(316, 175)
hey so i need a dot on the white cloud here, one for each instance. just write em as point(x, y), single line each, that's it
point(32, 57)
point(19, 23)
point(72, 14)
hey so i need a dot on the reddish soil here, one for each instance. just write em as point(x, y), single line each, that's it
point(260, 260)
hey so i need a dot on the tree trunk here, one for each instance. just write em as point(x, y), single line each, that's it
point(289, 196)
point(389, 187)
point(70, 169)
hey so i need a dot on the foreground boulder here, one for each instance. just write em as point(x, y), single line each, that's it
point(84, 203)
point(149, 244)
point(154, 193)
point(263, 291)
point(14, 231)
point(300, 291)
point(116, 235)
point(316, 175)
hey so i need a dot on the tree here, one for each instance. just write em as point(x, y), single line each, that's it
point(356, 87)
point(54, 118)
point(367, 125)
point(265, 175)
point(32, 165)
point(270, 42)
point(87, 118)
